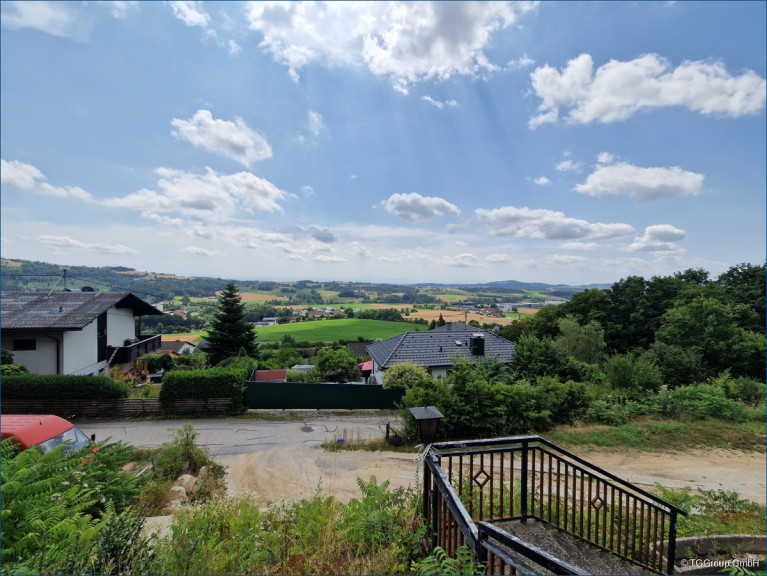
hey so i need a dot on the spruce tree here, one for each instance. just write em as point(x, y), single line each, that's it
point(230, 333)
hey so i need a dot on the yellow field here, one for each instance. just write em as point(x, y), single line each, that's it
point(455, 316)
point(250, 297)
point(191, 337)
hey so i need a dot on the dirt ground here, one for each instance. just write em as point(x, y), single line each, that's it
point(298, 472)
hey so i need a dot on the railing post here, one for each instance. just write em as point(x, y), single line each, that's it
point(671, 543)
point(480, 557)
point(434, 517)
point(523, 495)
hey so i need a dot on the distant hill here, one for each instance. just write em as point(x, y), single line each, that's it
point(154, 287)
point(554, 290)
point(26, 275)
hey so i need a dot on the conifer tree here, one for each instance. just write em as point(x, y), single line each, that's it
point(230, 333)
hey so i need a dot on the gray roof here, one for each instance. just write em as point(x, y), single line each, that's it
point(64, 310)
point(438, 347)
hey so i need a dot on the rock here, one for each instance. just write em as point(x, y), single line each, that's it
point(178, 494)
point(186, 481)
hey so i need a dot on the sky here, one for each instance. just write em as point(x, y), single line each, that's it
point(437, 142)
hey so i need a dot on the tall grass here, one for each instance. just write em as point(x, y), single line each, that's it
point(377, 534)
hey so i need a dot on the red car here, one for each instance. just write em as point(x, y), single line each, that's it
point(44, 431)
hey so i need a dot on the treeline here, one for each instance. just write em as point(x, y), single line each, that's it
point(690, 326)
point(682, 347)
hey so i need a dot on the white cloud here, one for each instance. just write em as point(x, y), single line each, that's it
point(542, 181)
point(644, 183)
point(567, 166)
point(406, 42)
point(605, 158)
point(61, 19)
point(58, 243)
point(461, 260)
point(617, 90)
point(232, 139)
point(658, 238)
point(579, 245)
point(27, 177)
point(200, 251)
point(358, 249)
point(308, 191)
point(233, 48)
point(522, 62)
point(210, 197)
point(330, 259)
point(316, 125)
point(498, 258)
point(120, 8)
point(449, 103)
point(191, 13)
point(416, 208)
point(546, 224)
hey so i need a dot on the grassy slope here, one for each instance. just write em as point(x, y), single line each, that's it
point(331, 330)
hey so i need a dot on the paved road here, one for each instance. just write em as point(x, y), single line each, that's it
point(256, 433)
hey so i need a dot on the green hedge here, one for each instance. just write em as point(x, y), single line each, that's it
point(217, 382)
point(58, 387)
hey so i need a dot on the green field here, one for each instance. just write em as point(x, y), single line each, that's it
point(332, 330)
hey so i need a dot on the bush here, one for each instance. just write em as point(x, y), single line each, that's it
point(58, 387)
point(218, 382)
point(704, 401)
point(157, 362)
point(12, 369)
point(404, 375)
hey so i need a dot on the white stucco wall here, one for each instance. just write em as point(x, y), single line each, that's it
point(42, 360)
point(438, 372)
point(120, 325)
point(80, 352)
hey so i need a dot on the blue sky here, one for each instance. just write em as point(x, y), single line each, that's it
point(561, 142)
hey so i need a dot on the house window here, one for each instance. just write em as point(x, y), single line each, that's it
point(24, 344)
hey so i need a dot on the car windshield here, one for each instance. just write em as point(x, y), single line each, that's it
point(73, 437)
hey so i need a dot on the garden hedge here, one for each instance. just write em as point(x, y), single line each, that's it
point(60, 387)
point(217, 382)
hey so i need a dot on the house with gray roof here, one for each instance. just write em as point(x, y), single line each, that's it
point(436, 349)
point(69, 332)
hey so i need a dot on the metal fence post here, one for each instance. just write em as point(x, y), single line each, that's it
point(671, 542)
point(523, 495)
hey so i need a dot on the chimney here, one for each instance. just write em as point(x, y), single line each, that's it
point(477, 344)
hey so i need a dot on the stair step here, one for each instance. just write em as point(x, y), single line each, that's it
point(566, 547)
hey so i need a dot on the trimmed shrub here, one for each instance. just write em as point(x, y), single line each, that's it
point(218, 382)
point(59, 387)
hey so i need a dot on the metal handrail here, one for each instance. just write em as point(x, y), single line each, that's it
point(522, 439)
point(475, 534)
point(534, 553)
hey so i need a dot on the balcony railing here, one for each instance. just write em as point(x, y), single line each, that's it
point(133, 350)
point(473, 487)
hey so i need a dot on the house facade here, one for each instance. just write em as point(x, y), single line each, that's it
point(79, 333)
point(436, 349)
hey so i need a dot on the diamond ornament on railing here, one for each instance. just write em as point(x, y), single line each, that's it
point(597, 502)
point(481, 478)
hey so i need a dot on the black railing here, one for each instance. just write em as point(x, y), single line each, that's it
point(528, 477)
point(134, 350)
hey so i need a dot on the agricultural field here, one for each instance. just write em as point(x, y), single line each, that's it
point(456, 316)
point(191, 337)
point(332, 330)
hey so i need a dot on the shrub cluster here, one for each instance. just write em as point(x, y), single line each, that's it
point(476, 403)
point(59, 387)
point(218, 382)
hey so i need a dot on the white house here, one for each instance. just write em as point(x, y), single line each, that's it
point(437, 348)
point(74, 332)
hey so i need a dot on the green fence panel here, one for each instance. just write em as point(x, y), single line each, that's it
point(300, 395)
